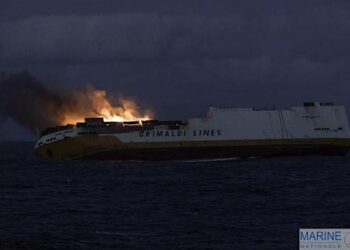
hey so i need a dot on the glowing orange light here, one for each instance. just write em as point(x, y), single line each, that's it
point(94, 103)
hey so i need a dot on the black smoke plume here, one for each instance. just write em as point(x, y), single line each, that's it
point(25, 99)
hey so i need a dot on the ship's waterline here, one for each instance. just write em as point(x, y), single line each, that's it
point(315, 128)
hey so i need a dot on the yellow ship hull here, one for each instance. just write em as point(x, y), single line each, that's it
point(109, 147)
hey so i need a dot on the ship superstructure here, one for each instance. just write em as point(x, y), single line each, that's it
point(314, 128)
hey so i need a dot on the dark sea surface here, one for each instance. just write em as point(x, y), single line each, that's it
point(238, 204)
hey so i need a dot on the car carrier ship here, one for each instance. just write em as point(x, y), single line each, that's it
point(315, 128)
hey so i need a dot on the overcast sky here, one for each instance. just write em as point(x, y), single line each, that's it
point(180, 57)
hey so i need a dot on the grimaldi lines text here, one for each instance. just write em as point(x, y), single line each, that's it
point(314, 128)
point(180, 132)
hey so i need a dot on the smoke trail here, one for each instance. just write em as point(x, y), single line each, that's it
point(29, 102)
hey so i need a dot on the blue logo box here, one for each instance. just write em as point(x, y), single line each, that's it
point(319, 238)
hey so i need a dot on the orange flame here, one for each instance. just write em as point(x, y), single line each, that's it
point(96, 103)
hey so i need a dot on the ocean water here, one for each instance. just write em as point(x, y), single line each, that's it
point(236, 204)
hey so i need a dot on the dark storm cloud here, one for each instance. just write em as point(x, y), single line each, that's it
point(185, 55)
point(319, 33)
point(96, 39)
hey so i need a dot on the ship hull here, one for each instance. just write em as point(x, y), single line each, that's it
point(313, 129)
point(110, 148)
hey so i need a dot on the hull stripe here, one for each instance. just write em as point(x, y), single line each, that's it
point(110, 147)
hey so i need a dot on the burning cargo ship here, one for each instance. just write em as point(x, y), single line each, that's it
point(312, 129)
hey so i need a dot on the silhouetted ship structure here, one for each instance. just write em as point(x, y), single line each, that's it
point(313, 129)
